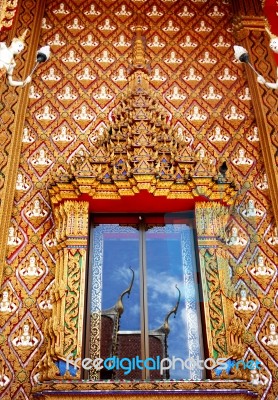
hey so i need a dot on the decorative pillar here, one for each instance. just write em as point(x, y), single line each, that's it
point(13, 106)
point(211, 220)
point(249, 25)
point(64, 328)
point(225, 332)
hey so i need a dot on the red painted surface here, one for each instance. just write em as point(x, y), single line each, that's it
point(271, 12)
point(142, 202)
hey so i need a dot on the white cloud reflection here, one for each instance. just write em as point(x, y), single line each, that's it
point(165, 270)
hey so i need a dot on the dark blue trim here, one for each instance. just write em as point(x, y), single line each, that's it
point(145, 392)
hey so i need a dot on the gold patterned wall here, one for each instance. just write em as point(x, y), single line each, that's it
point(203, 90)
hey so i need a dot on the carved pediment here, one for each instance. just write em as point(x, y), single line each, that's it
point(142, 148)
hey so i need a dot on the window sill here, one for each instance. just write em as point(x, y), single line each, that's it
point(209, 389)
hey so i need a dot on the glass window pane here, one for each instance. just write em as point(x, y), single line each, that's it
point(115, 250)
point(164, 256)
point(170, 262)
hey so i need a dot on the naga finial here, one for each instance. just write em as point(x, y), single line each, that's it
point(174, 310)
point(119, 305)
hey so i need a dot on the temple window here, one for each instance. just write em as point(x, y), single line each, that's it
point(144, 296)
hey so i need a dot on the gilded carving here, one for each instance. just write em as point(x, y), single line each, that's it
point(64, 326)
point(245, 305)
point(7, 305)
point(7, 14)
point(14, 239)
point(270, 337)
point(211, 220)
point(140, 147)
point(235, 333)
point(262, 270)
point(215, 305)
point(25, 339)
point(150, 141)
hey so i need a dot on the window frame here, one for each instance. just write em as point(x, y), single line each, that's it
point(133, 219)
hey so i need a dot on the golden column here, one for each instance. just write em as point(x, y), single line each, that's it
point(13, 106)
point(211, 220)
point(64, 327)
point(250, 32)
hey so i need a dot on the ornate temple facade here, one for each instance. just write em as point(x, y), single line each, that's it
point(142, 115)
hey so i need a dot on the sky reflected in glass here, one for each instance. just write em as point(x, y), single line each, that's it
point(170, 261)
